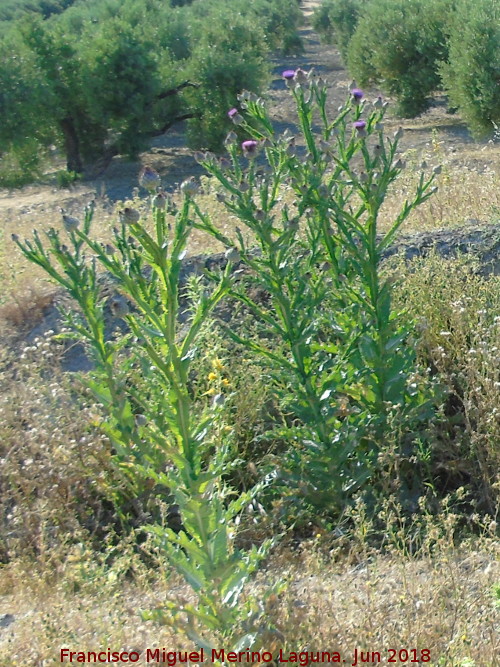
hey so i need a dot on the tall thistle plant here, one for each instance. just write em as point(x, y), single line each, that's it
point(346, 370)
point(142, 379)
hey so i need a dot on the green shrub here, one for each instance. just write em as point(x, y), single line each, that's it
point(104, 78)
point(21, 164)
point(229, 56)
point(471, 75)
point(65, 178)
point(398, 44)
point(336, 21)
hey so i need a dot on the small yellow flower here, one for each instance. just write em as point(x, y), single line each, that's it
point(226, 382)
point(212, 376)
point(217, 364)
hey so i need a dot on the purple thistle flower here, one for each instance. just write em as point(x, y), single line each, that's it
point(235, 116)
point(289, 76)
point(249, 148)
point(360, 126)
point(357, 95)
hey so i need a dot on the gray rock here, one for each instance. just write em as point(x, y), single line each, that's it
point(6, 620)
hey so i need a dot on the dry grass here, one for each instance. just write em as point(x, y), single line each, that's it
point(466, 191)
point(442, 602)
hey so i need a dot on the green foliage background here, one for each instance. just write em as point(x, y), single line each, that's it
point(102, 78)
point(414, 48)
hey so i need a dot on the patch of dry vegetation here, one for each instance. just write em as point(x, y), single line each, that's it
point(441, 600)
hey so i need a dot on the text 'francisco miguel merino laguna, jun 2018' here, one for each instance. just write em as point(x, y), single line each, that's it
point(218, 656)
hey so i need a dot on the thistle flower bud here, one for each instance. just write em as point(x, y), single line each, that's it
point(160, 201)
point(70, 223)
point(149, 178)
point(221, 197)
point(224, 163)
point(398, 134)
point(378, 103)
point(129, 216)
point(363, 177)
point(109, 249)
point(399, 164)
point(259, 215)
point(292, 224)
point(140, 420)
point(189, 187)
point(199, 157)
point(232, 255)
point(437, 170)
point(423, 165)
point(15, 238)
point(377, 150)
point(325, 267)
point(301, 77)
point(231, 138)
point(119, 307)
